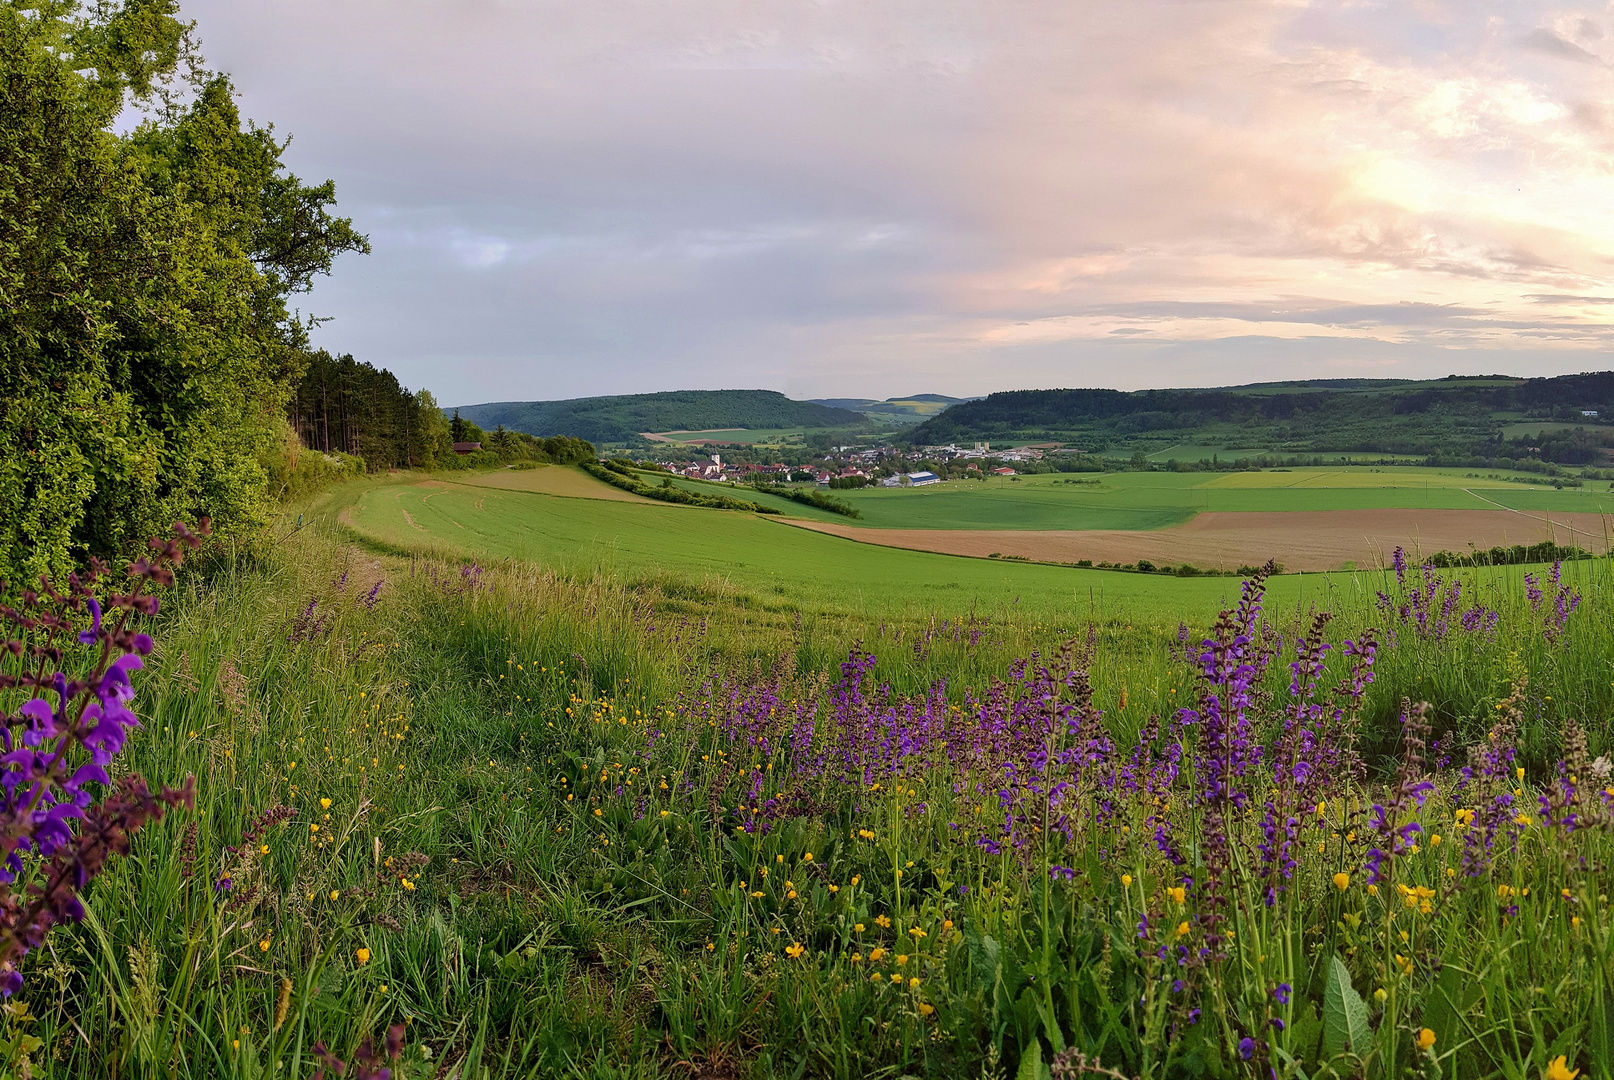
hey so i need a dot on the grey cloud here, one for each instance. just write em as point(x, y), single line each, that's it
point(1544, 40)
point(1563, 298)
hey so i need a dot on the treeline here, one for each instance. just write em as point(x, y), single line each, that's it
point(621, 473)
point(343, 405)
point(1544, 552)
point(814, 497)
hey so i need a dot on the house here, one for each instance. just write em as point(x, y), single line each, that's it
point(920, 479)
point(466, 447)
point(1005, 471)
point(1590, 414)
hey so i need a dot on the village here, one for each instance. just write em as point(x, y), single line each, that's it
point(883, 465)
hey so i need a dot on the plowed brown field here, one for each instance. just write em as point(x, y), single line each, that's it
point(1310, 540)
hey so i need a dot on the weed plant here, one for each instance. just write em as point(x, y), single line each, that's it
point(580, 827)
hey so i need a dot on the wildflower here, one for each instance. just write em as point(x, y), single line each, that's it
point(1342, 881)
point(876, 955)
point(363, 955)
point(895, 977)
point(795, 950)
point(876, 977)
point(1246, 1048)
point(1281, 993)
point(902, 958)
point(1182, 928)
point(710, 947)
point(882, 921)
point(263, 946)
point(1380, 995)
point(858, 928)
point(1177, 893)
point(917, 933)
point(809, 858)
point(1558, 1069)
point(1434, 841)
point(913, 983)
point(325, 804)
point(1126, 881)
point(335, 894)
point(1426, 1039)
point(925, 1009)
point(1373, 890)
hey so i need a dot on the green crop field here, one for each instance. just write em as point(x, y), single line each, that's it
point(771, 562)
point(1154, 500)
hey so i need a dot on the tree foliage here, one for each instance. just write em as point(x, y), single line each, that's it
point(147, 349)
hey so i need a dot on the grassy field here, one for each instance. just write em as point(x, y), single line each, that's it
point(1153, 500)
point(581, 816)
point(770, 563)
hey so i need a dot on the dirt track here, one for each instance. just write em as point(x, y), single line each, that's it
point(1313, 540)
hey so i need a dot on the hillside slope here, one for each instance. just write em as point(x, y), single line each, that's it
point(622, 417)
point(1452, 416)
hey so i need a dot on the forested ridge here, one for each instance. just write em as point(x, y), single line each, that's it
point(623, 417)
point(1456, 417)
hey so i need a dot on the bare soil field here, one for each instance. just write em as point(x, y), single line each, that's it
point(1305, 540)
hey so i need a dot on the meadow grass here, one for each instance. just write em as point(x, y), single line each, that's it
point(589, 823)
point(773, 565)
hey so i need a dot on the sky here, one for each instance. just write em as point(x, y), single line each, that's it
point(873, 198)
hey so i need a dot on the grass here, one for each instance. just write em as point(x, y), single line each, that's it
point(1147, 500)
point(766, 563)
point(585, 760)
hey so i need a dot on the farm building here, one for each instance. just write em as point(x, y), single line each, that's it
point(920, 479)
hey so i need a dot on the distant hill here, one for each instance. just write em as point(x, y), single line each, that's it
point(899, 410)
point(1454, 417)
point(623, 417)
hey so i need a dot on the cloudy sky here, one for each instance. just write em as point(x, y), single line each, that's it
point(882, 197)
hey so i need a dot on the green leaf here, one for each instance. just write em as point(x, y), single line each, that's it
point(1030, 1062)
point(1345, 1018)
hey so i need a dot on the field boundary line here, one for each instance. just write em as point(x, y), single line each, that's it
point(1573, 532)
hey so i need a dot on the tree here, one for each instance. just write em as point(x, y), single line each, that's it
point(146, 346)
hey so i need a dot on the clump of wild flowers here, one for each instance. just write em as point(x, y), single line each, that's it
point(72, 662)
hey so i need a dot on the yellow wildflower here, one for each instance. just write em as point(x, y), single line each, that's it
point(1426, 1039)
point(795, 950)
point(1342, 881)
point(1558, 1069)
point(363, 955)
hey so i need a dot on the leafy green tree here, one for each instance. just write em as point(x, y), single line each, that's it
point(146, 345)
